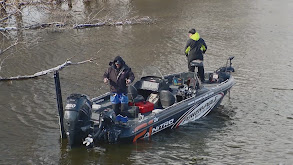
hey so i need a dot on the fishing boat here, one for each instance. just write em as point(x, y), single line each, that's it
point(156, 103)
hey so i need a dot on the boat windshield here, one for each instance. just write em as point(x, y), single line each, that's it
point(151, 71)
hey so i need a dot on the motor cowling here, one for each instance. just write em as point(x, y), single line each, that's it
point(77, 118)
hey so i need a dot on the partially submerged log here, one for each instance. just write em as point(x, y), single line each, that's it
point(44, 25)
point(7, 29)
point(82, 26)
point(133, 21)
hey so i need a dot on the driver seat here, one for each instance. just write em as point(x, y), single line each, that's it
point(133, 95)
point(167, 98)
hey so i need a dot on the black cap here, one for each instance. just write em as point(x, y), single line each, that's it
point(192, 31)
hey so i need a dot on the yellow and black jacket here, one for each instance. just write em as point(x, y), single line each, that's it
point(195, 47)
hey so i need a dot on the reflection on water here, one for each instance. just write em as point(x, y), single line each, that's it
point(252, 127)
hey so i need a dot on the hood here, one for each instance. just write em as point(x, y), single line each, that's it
point(118, 58)
point(195, 36)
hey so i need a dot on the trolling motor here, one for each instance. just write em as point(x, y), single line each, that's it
point(228, 68)
point(223, 73)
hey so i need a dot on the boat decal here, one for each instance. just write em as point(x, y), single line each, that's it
point(139, 135)
point(143, 125)
point(144, 132)
point(199, 110)
point(98, 101)
point(150, 122)
point(152, 130)
point(207, 113)
point(148, 134)
point(70, 106)
point(140, 127)
point(162, 126)
point(183, 116)
point(191, 103)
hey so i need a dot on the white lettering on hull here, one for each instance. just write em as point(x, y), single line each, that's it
point(163, 126)
point(198, 111)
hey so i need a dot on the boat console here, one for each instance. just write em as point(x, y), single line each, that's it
point(152, 83)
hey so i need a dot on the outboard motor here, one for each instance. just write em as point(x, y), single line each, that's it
point(77, 118)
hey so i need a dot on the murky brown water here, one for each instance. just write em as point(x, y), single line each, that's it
point(254, 126)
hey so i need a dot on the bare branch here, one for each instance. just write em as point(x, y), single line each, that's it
point(1, 52)
point(41, 73)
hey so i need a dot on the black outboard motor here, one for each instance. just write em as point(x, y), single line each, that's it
point(77, 118)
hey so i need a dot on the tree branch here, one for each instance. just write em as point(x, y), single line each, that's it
point(1, 52)
point(41, 73)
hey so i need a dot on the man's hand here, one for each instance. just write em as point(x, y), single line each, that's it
point(128, 81)
point(106, 80)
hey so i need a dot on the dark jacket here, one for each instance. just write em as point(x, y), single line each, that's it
point(195, 47)
point(117, 77)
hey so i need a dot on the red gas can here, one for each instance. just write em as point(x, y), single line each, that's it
point(145, 106)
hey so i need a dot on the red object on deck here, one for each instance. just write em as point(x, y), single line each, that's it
point(145, 106)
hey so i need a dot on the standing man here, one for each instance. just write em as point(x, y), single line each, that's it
point(119, 75)
point(194, 50)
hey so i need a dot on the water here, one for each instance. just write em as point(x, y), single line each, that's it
point(253, 126)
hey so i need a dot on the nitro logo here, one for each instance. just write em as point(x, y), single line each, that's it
point(163, 126)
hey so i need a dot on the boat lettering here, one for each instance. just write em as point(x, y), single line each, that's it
point(98, 101)
point(204, 107)
point(162, 126)
point(70, 106)
point(201, 109)
point(191, 103)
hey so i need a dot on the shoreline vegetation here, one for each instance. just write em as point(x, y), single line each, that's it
point(18, 16)
point(99, 23)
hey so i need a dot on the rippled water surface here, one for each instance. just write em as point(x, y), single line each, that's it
point(252, 126)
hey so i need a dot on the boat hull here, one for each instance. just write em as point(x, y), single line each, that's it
point(179, 115)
